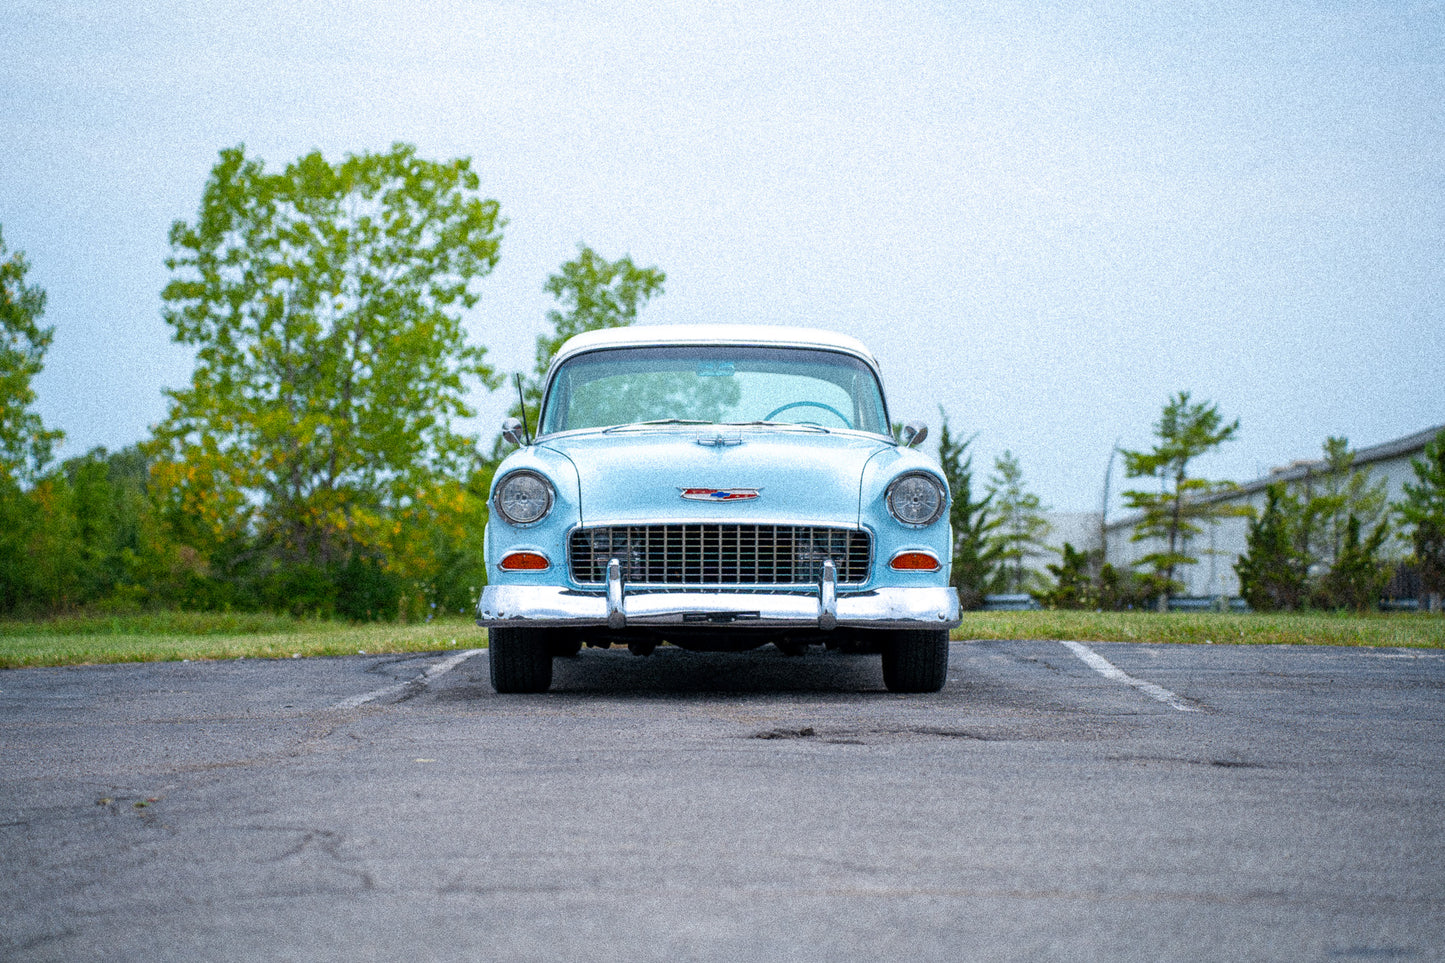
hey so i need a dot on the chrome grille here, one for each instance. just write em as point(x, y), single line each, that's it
point(709, 554)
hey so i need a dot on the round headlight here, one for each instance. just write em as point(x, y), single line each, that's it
point(524, 497)
point(916, 499)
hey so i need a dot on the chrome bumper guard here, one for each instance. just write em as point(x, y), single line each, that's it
point(537, 606)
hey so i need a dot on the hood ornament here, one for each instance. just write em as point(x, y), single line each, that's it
point(719, 494)
point(720, 440)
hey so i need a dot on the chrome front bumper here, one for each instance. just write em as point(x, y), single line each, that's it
point(530, 606)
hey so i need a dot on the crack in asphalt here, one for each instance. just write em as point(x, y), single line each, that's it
point(1221, 763)
point(859, 736)
point(327, 842)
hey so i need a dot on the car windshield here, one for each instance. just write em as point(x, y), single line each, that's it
point(714, 385)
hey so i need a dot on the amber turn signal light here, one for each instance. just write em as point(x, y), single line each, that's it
point(914, 562)
point(524, 562)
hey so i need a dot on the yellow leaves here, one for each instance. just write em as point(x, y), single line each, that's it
point(195, 492)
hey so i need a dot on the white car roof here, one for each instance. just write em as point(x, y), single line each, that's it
point(642, 335)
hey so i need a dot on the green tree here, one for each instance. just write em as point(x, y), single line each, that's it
point(1022, 526)
point(90, 543)
point(53, 567)
point(93, 507)
point(1073, 586)
point(592, 293)
point(18, 525)
point(1182, 504)
point(25, 443)
point(124, 556)
point(462, 571)
point(975, 551)
point(325, 305)
point(1357, 578)
point(1272, 571)
point(1423, 513)
point(1337, 492)
point(1124, 589)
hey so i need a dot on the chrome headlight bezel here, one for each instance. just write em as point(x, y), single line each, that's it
point(908, 503)
point(541, 499)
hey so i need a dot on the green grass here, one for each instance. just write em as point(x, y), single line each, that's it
point(1407, 630)
point(168, 636)
point(159, 637)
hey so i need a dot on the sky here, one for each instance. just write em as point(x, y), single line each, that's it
point(1045, 218)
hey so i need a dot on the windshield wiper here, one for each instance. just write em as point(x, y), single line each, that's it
point(777, 424)
point(660, 421)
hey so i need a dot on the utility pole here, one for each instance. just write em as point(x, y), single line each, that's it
point(1104, 507)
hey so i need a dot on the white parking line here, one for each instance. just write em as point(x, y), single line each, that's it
point(1109, 670)
point(432, 672)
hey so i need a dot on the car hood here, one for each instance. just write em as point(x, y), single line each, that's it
point(638, 475)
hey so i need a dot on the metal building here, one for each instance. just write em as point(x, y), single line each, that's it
point(1219, 546)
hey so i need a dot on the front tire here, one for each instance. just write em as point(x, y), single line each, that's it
point(915, 660)
point(521, 660)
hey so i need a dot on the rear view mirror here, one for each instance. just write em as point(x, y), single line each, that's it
point(913, 434)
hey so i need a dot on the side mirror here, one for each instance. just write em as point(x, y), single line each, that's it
point(913, 434)
point(512, 431)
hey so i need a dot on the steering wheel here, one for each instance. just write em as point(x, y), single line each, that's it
point(809, 404)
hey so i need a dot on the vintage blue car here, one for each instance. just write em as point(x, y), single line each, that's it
point(718, 488)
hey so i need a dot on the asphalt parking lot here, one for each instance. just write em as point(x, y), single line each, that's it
point(1109, 801)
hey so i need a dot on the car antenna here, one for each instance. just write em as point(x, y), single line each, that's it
point(522, 400)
